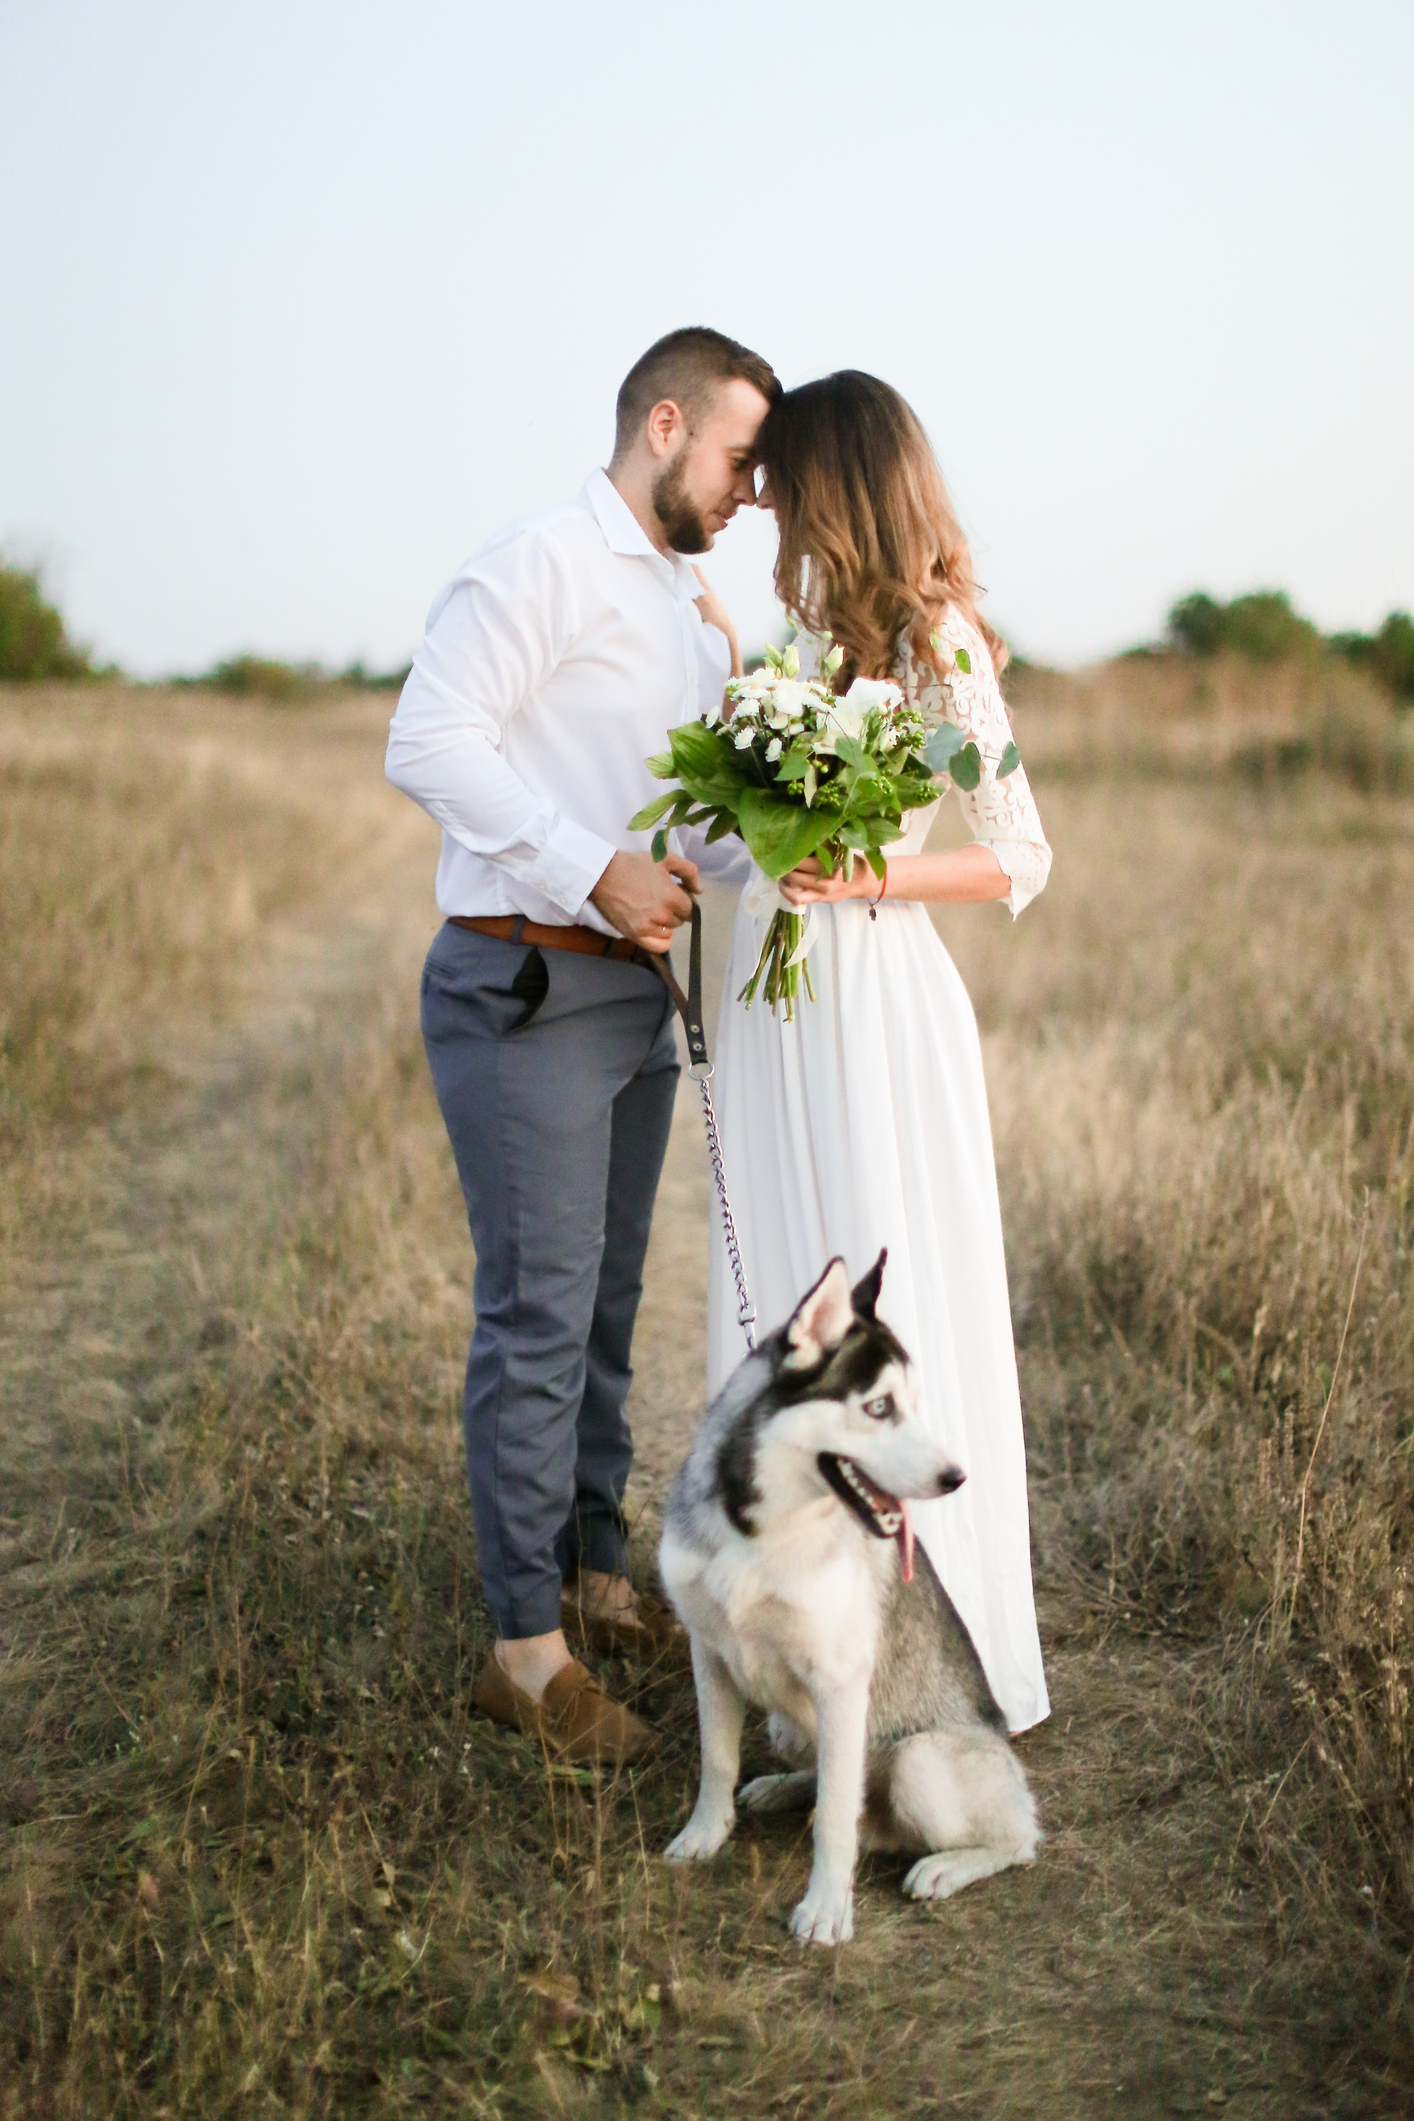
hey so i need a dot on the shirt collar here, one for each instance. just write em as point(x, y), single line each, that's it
point(624, 534)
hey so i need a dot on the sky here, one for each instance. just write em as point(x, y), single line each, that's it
point(300, 301)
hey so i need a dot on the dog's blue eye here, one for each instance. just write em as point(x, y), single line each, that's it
point(880, 1409)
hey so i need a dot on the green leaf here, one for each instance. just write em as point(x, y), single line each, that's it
point(963, 661)
point(943, 746)
point(722, 824)
point(660, 844)
point(651, 812)
point(704, 761)
point(1009, 761)
point(793, 765)
point(661, 766)
point(853, 753)
point(966, 768)
point(779, 834)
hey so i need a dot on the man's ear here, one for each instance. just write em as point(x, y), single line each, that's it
point(820, 1320)
point(665, 426)
point(866, 1292)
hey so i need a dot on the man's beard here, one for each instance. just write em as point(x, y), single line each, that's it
point(683, 526)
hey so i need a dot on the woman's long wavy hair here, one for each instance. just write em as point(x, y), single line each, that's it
point(870, 546)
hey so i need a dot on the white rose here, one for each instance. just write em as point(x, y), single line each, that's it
point(840, 720)
point(790, 696)
point(866, 693)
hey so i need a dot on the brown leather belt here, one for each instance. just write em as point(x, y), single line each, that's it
point(588, 942)
point(512, 928)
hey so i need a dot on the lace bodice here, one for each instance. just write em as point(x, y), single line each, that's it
point(1001, 815)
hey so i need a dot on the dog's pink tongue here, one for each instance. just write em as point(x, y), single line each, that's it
point(904, 1535)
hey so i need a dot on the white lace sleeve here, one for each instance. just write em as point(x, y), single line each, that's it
point(1002, 814)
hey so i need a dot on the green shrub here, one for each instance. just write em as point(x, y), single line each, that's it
point(1388, 655)
point(33, 641)
point(362, 679)
point(262, 677)
point(1261, 626)
point(255, 676)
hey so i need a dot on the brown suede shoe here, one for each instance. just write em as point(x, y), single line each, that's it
point(574, 1719)
point(653, 1632)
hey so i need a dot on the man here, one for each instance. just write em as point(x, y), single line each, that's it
point(553, 665)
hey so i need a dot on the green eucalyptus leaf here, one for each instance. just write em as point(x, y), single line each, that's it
point(966, 768)
point(942, 747)
point(651, 812)
point(1009, 761)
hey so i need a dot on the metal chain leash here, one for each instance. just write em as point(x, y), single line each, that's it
point(745, 1308)
point(689, 1008)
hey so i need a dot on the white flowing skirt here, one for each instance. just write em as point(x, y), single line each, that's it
point(862, 1124)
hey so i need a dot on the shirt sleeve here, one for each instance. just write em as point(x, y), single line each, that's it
point(493, 635)
point(1001, 814)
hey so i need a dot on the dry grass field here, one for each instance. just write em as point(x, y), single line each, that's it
point(256, 1857)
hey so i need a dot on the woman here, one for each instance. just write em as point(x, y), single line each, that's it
point(864, 1122)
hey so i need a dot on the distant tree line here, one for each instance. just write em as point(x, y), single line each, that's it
point(259, 677)
point(35, 645)
point(1263, 627)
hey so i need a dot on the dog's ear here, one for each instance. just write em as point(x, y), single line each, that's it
point(820, 1320)
point(866, 1292)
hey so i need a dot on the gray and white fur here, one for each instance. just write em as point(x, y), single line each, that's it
point(782, 1552)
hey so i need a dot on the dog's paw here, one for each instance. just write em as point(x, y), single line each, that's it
point(824, 1918)
point(778, 1793)
point(939, 1877)
point(699, 1839)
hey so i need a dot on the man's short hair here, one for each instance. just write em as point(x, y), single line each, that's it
point(687, 366)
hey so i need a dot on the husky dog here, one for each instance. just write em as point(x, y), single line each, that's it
point(787, 1550)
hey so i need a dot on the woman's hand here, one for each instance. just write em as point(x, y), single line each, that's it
point(809, 886)
point(713, 612)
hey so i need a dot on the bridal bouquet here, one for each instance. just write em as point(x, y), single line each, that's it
point(795, 771)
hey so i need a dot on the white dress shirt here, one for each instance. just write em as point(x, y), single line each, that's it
point(553, 663)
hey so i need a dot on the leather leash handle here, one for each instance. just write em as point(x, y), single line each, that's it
point(689, 1005)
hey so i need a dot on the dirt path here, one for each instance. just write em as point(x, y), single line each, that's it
point(140, 1223)
point(1129, 1972)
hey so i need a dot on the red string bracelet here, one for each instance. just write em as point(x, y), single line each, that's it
point(876, 903)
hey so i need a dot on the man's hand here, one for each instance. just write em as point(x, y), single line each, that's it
point(644, 900)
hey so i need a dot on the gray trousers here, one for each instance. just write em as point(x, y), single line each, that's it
point(556, 1075)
